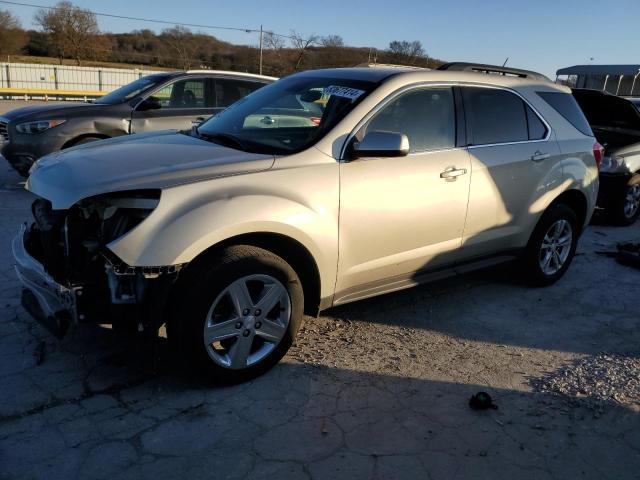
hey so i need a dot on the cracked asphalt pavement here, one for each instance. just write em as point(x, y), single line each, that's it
point(376, 389)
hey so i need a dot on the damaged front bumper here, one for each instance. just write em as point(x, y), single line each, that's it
point(52, 304)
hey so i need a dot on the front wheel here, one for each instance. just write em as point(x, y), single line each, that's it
point(238, 313)
point(552, 246)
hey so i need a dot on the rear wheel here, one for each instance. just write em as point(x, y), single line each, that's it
point(552, 246)
point(238, 313)
point(625, 208)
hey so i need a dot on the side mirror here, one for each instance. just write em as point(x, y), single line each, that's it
point(149, 103)
point(381, 144)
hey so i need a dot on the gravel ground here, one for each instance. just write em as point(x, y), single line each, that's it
point(598, 379)
point(375, 389)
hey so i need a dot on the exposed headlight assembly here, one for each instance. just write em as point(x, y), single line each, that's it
point(119, 213)
point(38, 126)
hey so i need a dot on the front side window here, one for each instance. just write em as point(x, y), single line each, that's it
point(287, 116)
point(494, 116)
point(189, 93)
point(425, 115)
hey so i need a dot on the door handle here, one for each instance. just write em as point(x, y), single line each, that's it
point(268, 120)
point(539, 156)
point(452, 173)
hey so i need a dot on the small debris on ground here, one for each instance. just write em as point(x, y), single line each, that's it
point(482, 401)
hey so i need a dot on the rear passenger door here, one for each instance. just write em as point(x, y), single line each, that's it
point(183, 103)
point(513, 155)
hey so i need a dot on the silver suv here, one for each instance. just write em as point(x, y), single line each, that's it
point(230, 233)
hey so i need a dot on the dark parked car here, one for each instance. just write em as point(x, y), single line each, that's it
point(175, 100)
point(615, 122)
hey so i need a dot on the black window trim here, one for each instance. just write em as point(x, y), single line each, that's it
point(193, 76)
point(463, 137)
point(459, 117)
point(469, 138)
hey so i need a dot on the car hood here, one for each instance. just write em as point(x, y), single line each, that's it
point(143, 161)
point(607, 111)
point(41, 112)
point(627, 151)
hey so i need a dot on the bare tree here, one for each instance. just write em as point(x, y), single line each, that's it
point(73, 31)
point(406, 52)
point(332, 41)
point(273, 41)
point(181, 41)
point(12, 37)
point(302, 44)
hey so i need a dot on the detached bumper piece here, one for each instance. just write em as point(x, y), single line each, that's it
point(51, 304)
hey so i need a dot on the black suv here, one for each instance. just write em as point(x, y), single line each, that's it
point(175, 100)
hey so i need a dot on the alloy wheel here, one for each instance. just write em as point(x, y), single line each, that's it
point(247, 321)
point(632, 201)
point(555, 248)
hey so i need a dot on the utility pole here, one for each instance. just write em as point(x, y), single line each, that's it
point(261, 36)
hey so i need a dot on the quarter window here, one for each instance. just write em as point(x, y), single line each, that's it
point(426, 116)
point(495, 116)
point(566, 105)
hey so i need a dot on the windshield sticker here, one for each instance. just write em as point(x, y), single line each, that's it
point(345, 92)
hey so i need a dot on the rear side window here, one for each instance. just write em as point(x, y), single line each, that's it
point(230, 91)
point(494, 116)
point(537, 130)
point(566, 105)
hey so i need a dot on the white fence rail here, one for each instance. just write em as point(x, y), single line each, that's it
point(64, 77)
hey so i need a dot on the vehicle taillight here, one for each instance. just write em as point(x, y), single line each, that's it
point(598, 153)
point(315, 120)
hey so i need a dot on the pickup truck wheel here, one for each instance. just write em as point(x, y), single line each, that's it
point(552, 246)
point(625, 209)
point(239, 313)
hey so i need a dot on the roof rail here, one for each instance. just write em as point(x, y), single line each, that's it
point(232, 73)
point(390, 65)
point(482, 68)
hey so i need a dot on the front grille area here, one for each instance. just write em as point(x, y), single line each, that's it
point(4, 133)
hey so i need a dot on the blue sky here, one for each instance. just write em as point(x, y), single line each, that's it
point(543, 35)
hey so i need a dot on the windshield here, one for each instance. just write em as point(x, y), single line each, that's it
point(287, 116)
point(130, 90)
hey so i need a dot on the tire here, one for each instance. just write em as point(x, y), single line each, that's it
point(624, 209)
point(545, 265)
point(220, 296)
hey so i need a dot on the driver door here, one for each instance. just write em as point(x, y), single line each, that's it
point(183, 103)
point(401, 216)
